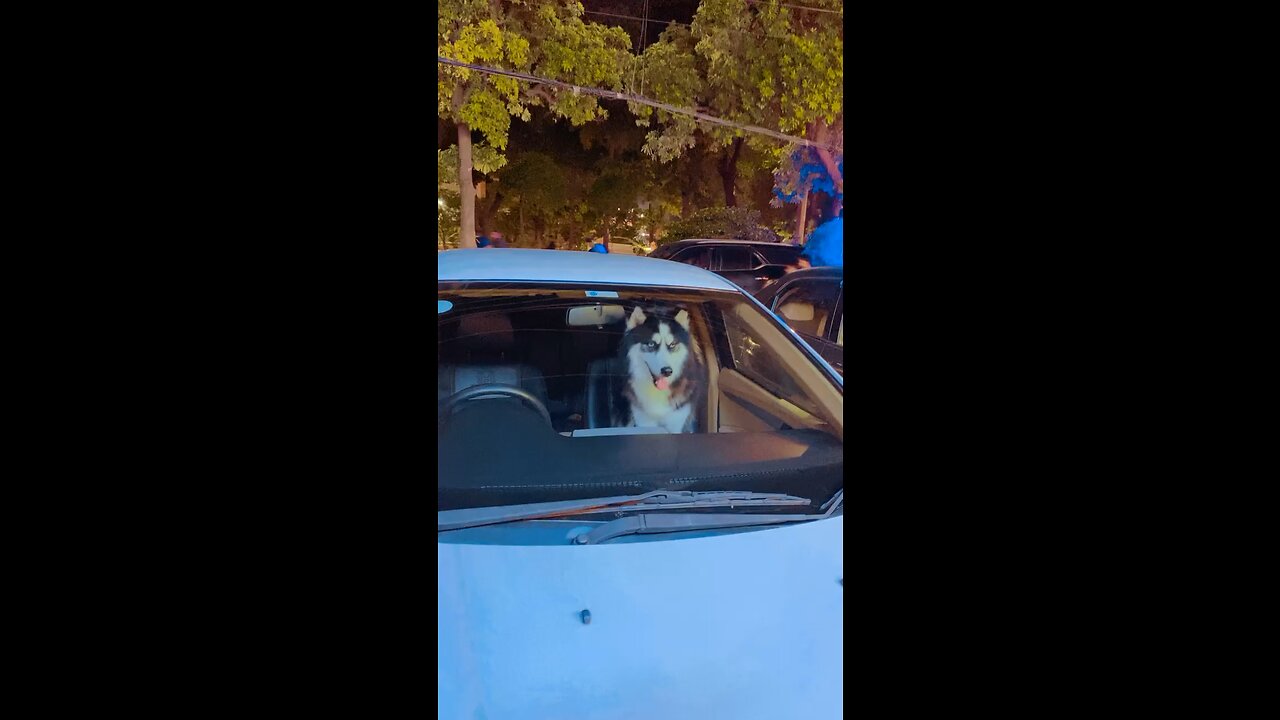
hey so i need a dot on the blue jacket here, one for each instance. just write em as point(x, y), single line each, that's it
point(826, 245)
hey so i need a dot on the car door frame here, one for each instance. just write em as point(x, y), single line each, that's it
point(826, 344)
point(833, 331)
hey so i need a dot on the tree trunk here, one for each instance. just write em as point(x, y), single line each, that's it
point(521, 236)
point(833, 169)
point(804, 207)
point(820, 133)
point(466, 190)
point(487, 210)
point(729, 173)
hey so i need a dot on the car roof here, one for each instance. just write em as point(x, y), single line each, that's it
point(523, 265)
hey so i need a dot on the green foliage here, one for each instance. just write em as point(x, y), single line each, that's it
point(612, 198)
point(732, 223)
point(447, 220)
point(543, 37)
point(483, 158)
point(754, 63)
point(536, 182)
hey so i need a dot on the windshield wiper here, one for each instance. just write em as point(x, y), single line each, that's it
point(835, 501)
point(656, 500)
point(669, 523)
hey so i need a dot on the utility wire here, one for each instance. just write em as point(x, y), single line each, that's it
point(633, 17)
point(644, 29)
point(644, 35)
point(614, 95)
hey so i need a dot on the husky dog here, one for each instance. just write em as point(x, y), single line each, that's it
point(666, 377)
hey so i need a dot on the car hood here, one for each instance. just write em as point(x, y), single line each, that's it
point(744, 625)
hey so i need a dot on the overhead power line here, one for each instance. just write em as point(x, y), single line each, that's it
point(615, 95)
point(633, 17)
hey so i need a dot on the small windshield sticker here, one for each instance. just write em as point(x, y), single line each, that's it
point(602, 293)
point(443, 306)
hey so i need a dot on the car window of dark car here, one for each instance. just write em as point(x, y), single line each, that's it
point(735, 257)
point(779, 254)
point(808, 306)
point(698, 256)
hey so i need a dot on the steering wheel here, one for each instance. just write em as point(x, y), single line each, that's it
point(476, 391)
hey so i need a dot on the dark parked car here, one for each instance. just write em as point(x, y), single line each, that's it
point(812, 303)
point(748, 263)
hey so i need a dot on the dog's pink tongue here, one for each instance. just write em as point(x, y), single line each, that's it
point(661, 383)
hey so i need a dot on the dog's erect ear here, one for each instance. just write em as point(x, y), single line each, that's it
point(682, 317)
point(637, 318)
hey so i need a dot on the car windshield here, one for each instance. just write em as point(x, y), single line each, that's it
point(550, 392)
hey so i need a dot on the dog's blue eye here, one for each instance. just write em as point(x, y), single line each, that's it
point(672, 346)
point(651, 345)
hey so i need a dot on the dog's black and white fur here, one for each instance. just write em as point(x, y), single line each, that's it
point(666, 376)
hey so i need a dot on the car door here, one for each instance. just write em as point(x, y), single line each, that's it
point(814, 308)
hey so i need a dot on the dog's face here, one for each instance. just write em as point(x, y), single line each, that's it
point(660, 342)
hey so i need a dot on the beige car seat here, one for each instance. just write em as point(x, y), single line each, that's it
point(803, 317)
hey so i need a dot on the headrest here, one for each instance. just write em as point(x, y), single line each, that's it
point(798, 311)
point(486, 331)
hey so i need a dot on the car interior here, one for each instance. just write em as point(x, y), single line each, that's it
point(768, 412)
point(803, 316)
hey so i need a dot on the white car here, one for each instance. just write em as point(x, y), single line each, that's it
point(590, 569)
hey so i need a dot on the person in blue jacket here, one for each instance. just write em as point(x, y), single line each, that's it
point(599, 248)
point(826, 244)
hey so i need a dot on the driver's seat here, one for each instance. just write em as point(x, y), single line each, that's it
point(605, 378)
point(489, 340)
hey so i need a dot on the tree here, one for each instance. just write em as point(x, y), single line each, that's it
point(536, 185)
point(673, 72)
point(547, 38)
point(732, 223)
point(767, 64)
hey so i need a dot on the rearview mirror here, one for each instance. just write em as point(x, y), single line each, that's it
point(595, 315)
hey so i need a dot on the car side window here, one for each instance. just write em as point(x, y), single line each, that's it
point(748, 358)
point(780, 254)
point(808, 306)
point(735, 258)
point(699, 256)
